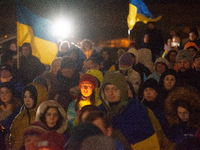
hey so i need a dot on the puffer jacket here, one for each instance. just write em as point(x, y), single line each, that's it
point(25, 117)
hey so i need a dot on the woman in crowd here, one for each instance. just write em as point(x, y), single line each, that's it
point(171, 57)
point(168, 81)
point(87, 85)
point(53, 115)
point(182, 111)
point(33, 95)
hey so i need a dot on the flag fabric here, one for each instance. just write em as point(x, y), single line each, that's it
point(138, 11)
point(36, 31)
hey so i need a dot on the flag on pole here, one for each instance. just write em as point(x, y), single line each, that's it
point(37, 31)
point(138, 11)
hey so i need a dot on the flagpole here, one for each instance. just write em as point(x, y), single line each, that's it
point(129, 36)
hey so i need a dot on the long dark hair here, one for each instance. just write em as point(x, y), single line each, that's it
point(59, 122)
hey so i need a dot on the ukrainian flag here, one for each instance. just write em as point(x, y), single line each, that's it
point(37, 31)
point(138, 11)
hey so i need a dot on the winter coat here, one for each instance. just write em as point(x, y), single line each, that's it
point(64, 86)
point(130, 121)
point(25, 117)
point(51, 103)
point(133, 77)
point(145, 57)
point(30, 67)
point(180, 131)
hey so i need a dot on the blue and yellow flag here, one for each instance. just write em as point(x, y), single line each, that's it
point(37, 31)
point(138, 11)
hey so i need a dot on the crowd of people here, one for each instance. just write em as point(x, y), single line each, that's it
point(147, 99)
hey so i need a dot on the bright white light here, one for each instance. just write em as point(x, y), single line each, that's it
point(62, 28)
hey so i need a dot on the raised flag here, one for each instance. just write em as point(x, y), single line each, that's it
point(37, 31)
point(138, 11)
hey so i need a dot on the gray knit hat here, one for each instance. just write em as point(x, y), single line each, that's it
point(184, 54)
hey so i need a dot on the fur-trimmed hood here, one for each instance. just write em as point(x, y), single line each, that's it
point(191, 97)
point(51, 103)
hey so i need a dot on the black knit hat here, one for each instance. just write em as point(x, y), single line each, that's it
point(151, 83)
point(67, 62)
point(165, 73)
point(6, 67)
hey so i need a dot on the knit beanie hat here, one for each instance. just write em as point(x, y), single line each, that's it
point(184, 54)
point(88, 78)
point(168, 72)
point(52, 141)
point(197, 55)
point(126, 59)
point(162, 60)
point(67, 62)
point(151, 83)
point(36, 128)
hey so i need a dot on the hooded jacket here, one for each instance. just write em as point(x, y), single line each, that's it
point(130, 121)
point(179, 130)
point(51, 103)
point(26, 116)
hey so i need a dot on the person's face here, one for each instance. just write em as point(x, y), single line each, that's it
point(192, 51)
point(5, 74)
point(25, 51)
point(55, 69)
point(28, 100)
point(146, 38)
point(99, 123)
point(183, 65)
point(86, 89)
point(68, 73)
point(105, 55)
point(172, 57)
point(112, 93)
point(183, 114)
point(151, 26)
point(10, 63)
point(192, 36)
point(169, 82)
point(150, 94)
point(87, 47)
point(31, 142)
point(5, 95)
point(160, 67)
point(197, 63)
point(13, 47)
point(169, 42)
point(51, 117)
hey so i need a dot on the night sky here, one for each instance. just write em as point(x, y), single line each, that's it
point(104, 19)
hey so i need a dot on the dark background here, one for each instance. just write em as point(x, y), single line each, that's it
point(101, 20)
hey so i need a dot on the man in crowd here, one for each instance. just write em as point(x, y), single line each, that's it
point(130, 121)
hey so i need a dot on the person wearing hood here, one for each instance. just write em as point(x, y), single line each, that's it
point(168, 81)
point(182, 113)
point(33, 95)
point(53, 115)
point(125, 68)
point(29, 65)
point(160, 65)
point(130, 121)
